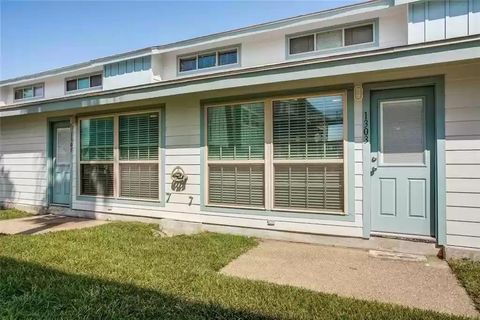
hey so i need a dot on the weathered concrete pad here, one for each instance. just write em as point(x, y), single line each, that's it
point(45, 223)
point(353, 273)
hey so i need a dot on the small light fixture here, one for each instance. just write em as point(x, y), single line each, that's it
point(358, 93)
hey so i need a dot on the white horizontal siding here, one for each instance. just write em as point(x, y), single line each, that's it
point(23, 169)
point(462, 156)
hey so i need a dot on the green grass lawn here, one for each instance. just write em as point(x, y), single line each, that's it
point(125, 271)
point(12, 214)
point(468, 273)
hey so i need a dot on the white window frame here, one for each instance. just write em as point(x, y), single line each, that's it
point(32, 86)
point(100, 73)
point(116, 155)
point(217, 66)
point(342, 47)
point(269, 162)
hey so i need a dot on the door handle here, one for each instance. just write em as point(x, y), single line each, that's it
point(374, 159)
point(372, 172)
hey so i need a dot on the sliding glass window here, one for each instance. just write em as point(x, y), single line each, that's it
point(278, 154)
point(119, 156)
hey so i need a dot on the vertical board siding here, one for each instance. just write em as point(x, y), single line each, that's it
point(23, 160)
point(463, 156)
point(443, 19)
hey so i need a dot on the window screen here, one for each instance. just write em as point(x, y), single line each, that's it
point(227, 57)
point(207, 60)
point(302, 44)
point(358, 35)
point(329, 40)
point(96, 179)
point(402, 132)
point(187, 64)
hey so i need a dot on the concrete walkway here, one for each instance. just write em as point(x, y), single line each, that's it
point(46, 223)
point(354, 273)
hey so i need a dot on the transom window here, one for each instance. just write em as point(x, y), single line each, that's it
point(29, 92)
point(212, 59)
point(331, 39)
point(280, 154)
point(84, 83)
point(119, 156)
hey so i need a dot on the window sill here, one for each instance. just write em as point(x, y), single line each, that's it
point(79, 91)
point(24, 100)
point(115, 201)
point(280, 213)
point(208, 70)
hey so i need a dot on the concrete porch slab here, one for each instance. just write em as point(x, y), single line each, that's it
point(45, 223)
point(353, 273)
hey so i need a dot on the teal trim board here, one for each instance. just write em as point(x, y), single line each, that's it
point(413, 200)
point(350, 166)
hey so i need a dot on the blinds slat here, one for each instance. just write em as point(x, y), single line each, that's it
point(308, 128)
point(236, 185)
point(316, 186)
point(96, 139)
point(139, 136)
point(139, 180)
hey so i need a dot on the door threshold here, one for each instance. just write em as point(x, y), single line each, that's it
point(407, 237)
point(58, 205)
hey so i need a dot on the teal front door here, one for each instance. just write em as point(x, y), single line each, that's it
point(402, 159)
point(61, 162)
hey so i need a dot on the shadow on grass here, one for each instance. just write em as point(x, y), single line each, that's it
point(31, 291)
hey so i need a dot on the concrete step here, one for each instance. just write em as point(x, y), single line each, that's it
point(391, 255)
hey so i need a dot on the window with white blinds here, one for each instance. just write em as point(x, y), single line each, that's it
point(96, 156)
point(236, 143)
point(279, 154)
point(308, 153)
point(119, 156)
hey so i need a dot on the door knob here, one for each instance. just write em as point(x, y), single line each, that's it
point(372, 172)
point(374, 159)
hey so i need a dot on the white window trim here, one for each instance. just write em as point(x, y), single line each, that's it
point(89, 75)
point(217, 66)
point(116, 156)
point(269, 162)
point(32, 86)
point(343, 47)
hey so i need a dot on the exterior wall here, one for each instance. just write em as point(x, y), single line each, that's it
point(54, 87)
point(23, 160)
point(462, 102)
point(127, 79)
point(270, 47)
point(442, 19)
